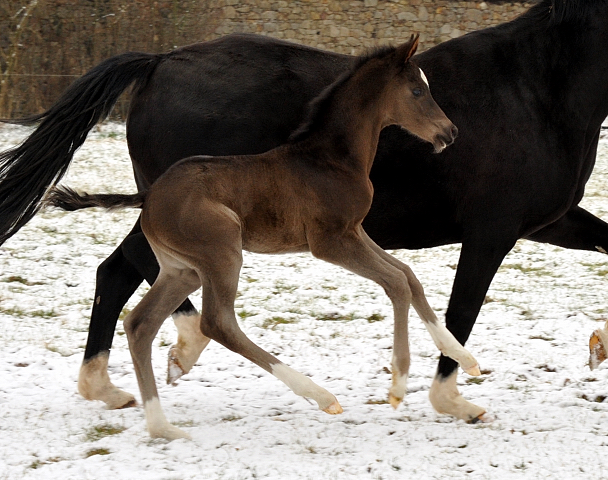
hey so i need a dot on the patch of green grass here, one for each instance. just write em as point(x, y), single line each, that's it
point(373, 401)
point(97, 451)
point(19, 312)
point(275, 321)
point(336, 317)
point(282, 287)
point(476, 380)
point(244, 314)
point(231, 418)
point(546, 338)
point(375, 317)
point(100, 431)
point(526, 269)
point(21, 280)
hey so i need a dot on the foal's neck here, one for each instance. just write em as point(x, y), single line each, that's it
point(350, 130)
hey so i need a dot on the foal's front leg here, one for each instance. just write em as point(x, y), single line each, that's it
point(358, 253)
point(443, 338)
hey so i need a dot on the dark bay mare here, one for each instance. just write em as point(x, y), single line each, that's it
point(310, 194)
point(528, 97)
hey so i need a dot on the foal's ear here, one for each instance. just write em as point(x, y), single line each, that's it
point(408, 49)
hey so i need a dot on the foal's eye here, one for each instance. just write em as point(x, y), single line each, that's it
point(417, 92)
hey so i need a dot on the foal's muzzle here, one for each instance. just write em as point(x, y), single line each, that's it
point(444, 140)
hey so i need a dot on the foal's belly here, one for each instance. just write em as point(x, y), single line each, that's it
point(270, 240)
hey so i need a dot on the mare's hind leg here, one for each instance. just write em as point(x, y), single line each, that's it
point(190, 344)
point(443, 338)
point(172, 286)
point(117, 279)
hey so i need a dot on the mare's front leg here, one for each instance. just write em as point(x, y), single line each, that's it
point(141, 325)
point(580, 230)
point(444, 340)
point(482, 253)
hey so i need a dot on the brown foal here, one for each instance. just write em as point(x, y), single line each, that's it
point(310, 194)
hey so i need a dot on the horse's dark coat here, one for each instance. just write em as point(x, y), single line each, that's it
point(528, 97)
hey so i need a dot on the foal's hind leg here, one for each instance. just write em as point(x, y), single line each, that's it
point(142, 324)
point(219, 264)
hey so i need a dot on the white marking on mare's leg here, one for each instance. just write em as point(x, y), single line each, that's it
point(305, 387)
point(94, 384)
point(446, 398)
point(158, 425)
point(597, 347)
point(450, 347)
point(190, 344)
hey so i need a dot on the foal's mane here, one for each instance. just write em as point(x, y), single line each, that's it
point(318, 107)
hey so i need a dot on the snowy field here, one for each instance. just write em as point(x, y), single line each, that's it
point(551, 417)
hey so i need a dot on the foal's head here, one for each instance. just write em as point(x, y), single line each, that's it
point(410, 103)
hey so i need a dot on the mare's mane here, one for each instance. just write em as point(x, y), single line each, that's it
point(318, 107)
point(559, 12)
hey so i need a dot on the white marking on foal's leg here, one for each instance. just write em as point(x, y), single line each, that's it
point(158, 425)
point(94, 384)
point(305, 387)
point(426, 80)
point(450, 347)
point(446, 398)
point(190, 344)
point(399, 387)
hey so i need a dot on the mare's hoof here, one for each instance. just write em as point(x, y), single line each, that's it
point(118, 399)
point(597, 350)
point(129, 404)
point(334, 409)
point(474, 370)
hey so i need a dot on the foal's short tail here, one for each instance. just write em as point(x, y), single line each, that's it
point(67, 199)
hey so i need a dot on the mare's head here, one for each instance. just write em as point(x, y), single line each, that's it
point(410, 104)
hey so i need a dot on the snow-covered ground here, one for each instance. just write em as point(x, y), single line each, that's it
point(551, 420)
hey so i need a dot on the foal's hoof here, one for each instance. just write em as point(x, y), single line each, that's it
point(334, 409)
point(473, 371)
point(483, 418)
point(394, 401)
point(174, 368)
point(597, 350)
point(169, 432)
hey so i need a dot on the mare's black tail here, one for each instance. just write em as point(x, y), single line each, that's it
point(27, 171)
point(70, 200)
